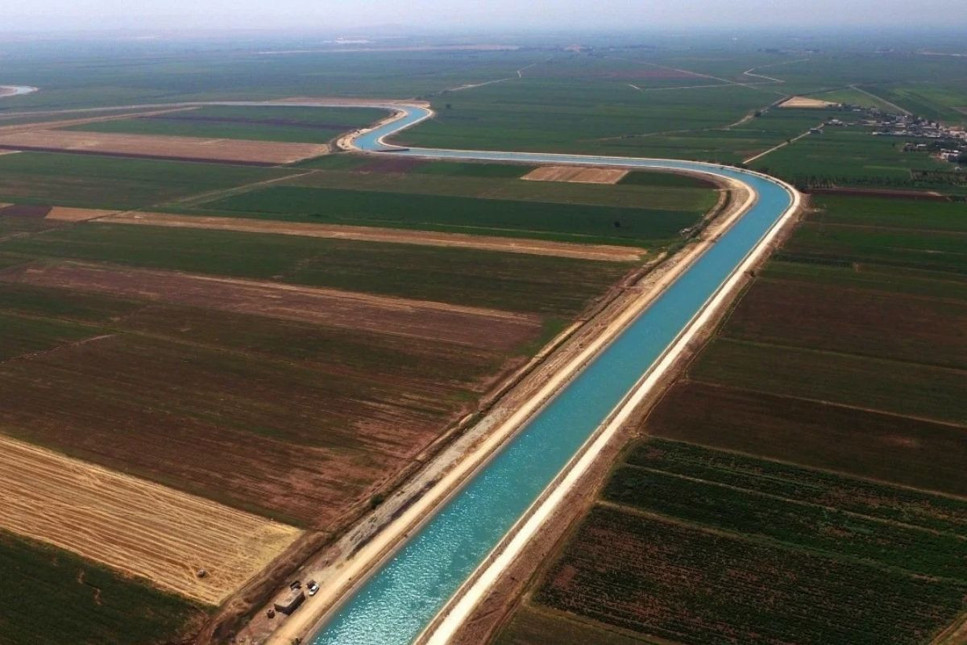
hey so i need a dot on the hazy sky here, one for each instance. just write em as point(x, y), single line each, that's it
point(471, 15)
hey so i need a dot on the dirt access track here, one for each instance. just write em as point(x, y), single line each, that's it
point(381, 314)
point(163, 147)
point(576, 174)
point(134, 526)
point(598, 252)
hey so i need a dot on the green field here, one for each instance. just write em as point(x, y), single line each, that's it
point(883, 279)
point(852, 96)
point(485, 183)
point(542, 114)
point(827, 243)
point(285, 124)
point(937, 102)
point(573, 223)
point(106, 182)
point(53, 596)
point(798, 525)
point(27, 335)
point(890, 213)
point(687, 584)
point(850, 157)
point(817, 488)
point(552, 286)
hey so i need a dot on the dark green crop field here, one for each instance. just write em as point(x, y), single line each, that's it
point(817, 488)
point(681, 582)
point(285, 124)
point(552, 286)
point(30, 301)
point(794, 523)
point(487, 184)
point(830, 243)
point(51, 595)
point(573, 223)
point(890, 213)
point(105, 182)
point(27, 335)
point(542, 114)
point(871, 277)
point(703, 546)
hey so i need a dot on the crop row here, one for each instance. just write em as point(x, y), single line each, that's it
point(797, 524)
point(664, 579)
point(806, 485)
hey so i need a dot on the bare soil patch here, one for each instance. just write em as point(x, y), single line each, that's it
point(136, 527)
point(576, 174)
point(186, 148)
point(802, 102)
point(68, 214)
point(482, 328)
point(25, 210)
point(599, 252)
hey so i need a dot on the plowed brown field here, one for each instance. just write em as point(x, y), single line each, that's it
point(576, 174)
point(140, 145)
point(67, 214)
point(136, 527)
point(483, 328)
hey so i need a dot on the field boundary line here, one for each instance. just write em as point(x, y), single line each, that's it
point(882, 100)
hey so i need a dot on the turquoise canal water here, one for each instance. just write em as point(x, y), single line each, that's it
point(400, 599)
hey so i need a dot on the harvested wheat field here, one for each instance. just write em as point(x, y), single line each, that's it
point(477, 327)
point(599, 252)
point(153, 146)
point(576, 174)
point(136, 527)
point(802, 102)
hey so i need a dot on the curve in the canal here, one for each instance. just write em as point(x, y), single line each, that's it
point(396, 603)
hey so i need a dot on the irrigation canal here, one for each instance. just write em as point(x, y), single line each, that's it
point(397, 602)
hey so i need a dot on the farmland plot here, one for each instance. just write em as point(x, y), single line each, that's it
point(685, 584)
point(133, 526)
